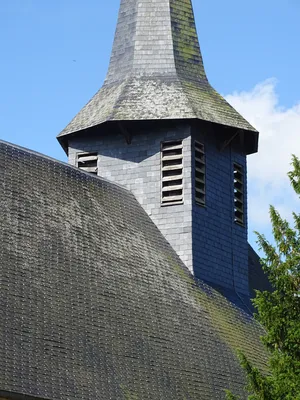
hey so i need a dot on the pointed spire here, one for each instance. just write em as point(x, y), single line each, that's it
point(156, 71)
point(155, 38)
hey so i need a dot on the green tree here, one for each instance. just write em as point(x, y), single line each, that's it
point(279, 312)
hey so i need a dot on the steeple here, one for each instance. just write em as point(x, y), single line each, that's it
point(156, 72)
point(159, 129)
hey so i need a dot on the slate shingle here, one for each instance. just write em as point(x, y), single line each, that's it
point(156, 72)
point(95, 304)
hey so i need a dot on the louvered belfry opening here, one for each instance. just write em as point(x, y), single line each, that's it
point(172, 172)
point(88, 162)
point(238, 194)
point(200, 196)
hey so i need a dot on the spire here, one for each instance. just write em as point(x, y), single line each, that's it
point(156, 38)
point(156, 72)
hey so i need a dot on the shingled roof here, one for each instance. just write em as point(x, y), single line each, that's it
point(94, 302)
point(156, 72)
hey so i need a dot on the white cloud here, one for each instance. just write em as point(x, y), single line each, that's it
point(279, 129)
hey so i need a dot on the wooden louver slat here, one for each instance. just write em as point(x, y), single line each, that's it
point(172, 167)
point(171, 178)
point(86, 158)
point(171, 188)
point(171, 146)
point(172, 157)
point(172, 172)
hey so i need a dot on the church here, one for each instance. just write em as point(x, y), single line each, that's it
point(126, 274)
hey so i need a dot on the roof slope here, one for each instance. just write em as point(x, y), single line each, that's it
point(156, 71)
point(95, 304)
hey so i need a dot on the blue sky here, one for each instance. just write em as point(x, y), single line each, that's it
point(54, 57)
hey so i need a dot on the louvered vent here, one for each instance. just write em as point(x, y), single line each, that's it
point(88, 162)
point(200, 174)
point(172, 172)
point(238, 194)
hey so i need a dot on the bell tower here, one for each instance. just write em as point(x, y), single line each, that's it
point(158, 128)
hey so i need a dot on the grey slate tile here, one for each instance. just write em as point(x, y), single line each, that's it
point(95, 304)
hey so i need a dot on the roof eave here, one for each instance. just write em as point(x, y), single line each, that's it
point(250, 142)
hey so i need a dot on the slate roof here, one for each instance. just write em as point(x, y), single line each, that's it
point(94, 302)
point(156, 72)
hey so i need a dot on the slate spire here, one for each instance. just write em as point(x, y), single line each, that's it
point(156, 72)
point(156, 38)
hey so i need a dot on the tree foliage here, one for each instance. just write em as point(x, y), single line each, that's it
point(279, 311)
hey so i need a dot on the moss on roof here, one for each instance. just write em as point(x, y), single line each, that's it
point(95, 304)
